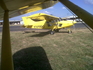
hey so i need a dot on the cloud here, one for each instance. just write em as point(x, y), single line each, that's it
point(46, 11)
point(63, 7)
point(89, 1)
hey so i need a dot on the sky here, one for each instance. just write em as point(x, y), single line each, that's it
point(59, 10)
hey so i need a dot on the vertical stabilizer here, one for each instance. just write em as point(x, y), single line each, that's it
point(27, 21)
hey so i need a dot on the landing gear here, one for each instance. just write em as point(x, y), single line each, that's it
point(69, 31)
point(52, 32)
point(56, 30)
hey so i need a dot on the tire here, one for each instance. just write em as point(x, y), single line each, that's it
point(69, 32)
point(52, 32)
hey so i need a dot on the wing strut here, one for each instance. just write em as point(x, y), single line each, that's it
point(6, 53)
point(84, 15)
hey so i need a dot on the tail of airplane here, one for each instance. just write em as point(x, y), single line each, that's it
point(74, 22)
point(28, 22)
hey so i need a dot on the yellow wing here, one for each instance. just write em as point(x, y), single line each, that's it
point(43, 16)
point(19, 7)
point(39, 18)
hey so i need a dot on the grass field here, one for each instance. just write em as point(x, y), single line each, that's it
point(61, 51)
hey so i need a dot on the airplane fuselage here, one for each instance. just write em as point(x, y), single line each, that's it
point(50, 25)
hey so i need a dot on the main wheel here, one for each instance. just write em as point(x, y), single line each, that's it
point(52, 32)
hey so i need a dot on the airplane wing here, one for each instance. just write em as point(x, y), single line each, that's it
point(42, 16)
point(19, 7)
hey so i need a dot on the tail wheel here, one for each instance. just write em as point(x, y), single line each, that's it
point(69, 32)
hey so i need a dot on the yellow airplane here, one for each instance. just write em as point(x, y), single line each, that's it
point(11, 8)
point(45, 21)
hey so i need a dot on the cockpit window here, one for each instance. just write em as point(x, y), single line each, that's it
point(60, 25)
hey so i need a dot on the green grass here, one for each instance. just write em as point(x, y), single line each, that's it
point(61, 51)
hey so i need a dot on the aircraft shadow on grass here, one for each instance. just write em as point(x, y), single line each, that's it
point(32, 58)
point(37, 34)
point(41, 34)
